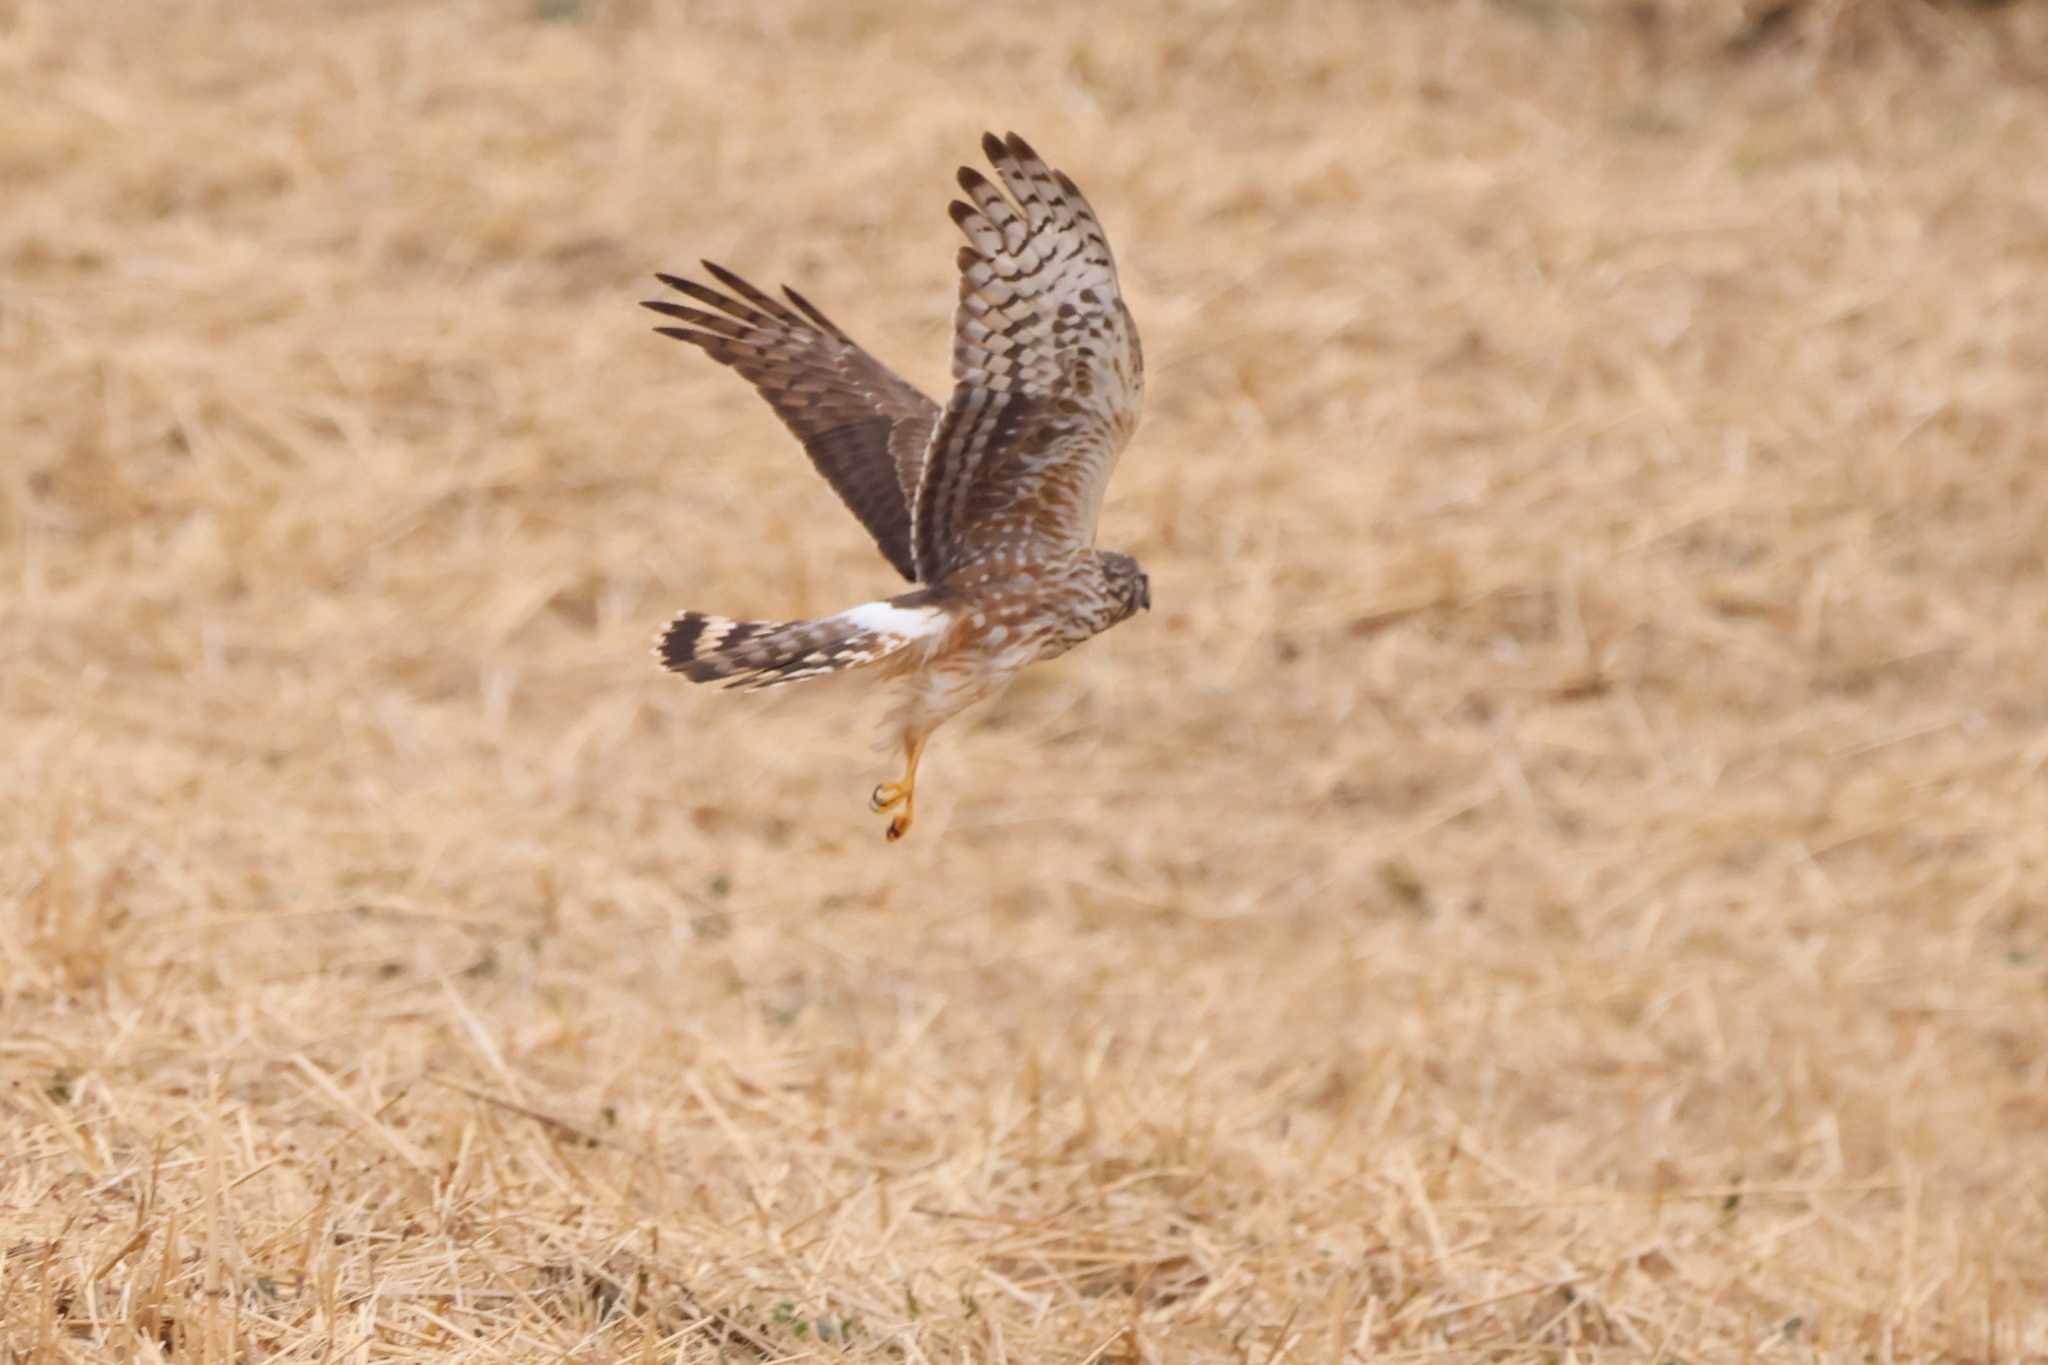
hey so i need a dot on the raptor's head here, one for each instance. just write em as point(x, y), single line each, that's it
point(1129, 588)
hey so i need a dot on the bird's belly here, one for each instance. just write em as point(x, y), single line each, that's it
point(959, 680)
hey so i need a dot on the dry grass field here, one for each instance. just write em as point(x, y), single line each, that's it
point(1561, 874)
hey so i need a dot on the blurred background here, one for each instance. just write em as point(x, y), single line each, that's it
point(1558, 875)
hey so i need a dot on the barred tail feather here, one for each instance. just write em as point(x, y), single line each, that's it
point(755, 654)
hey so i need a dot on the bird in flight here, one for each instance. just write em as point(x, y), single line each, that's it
point(988, 504)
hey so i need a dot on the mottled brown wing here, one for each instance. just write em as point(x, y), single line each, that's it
point(864, 428)
point(1047, 369)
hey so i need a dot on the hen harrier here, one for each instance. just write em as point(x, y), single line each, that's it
point(990, 503)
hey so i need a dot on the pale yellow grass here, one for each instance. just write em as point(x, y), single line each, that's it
point(1560, 875)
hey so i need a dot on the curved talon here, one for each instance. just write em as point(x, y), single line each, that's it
point(888, 796)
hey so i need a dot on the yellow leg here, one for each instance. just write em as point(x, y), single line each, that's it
point(890, 795)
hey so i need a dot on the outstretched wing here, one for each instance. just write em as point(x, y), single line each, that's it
point(1048, 373)
point(864, 428)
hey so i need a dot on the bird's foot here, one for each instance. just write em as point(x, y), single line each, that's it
point(892, 795)
point(888, 796)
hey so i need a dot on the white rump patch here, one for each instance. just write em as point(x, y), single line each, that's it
point(885, 618)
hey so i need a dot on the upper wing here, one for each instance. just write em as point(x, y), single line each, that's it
point(865, 429)
point(1048, 374)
